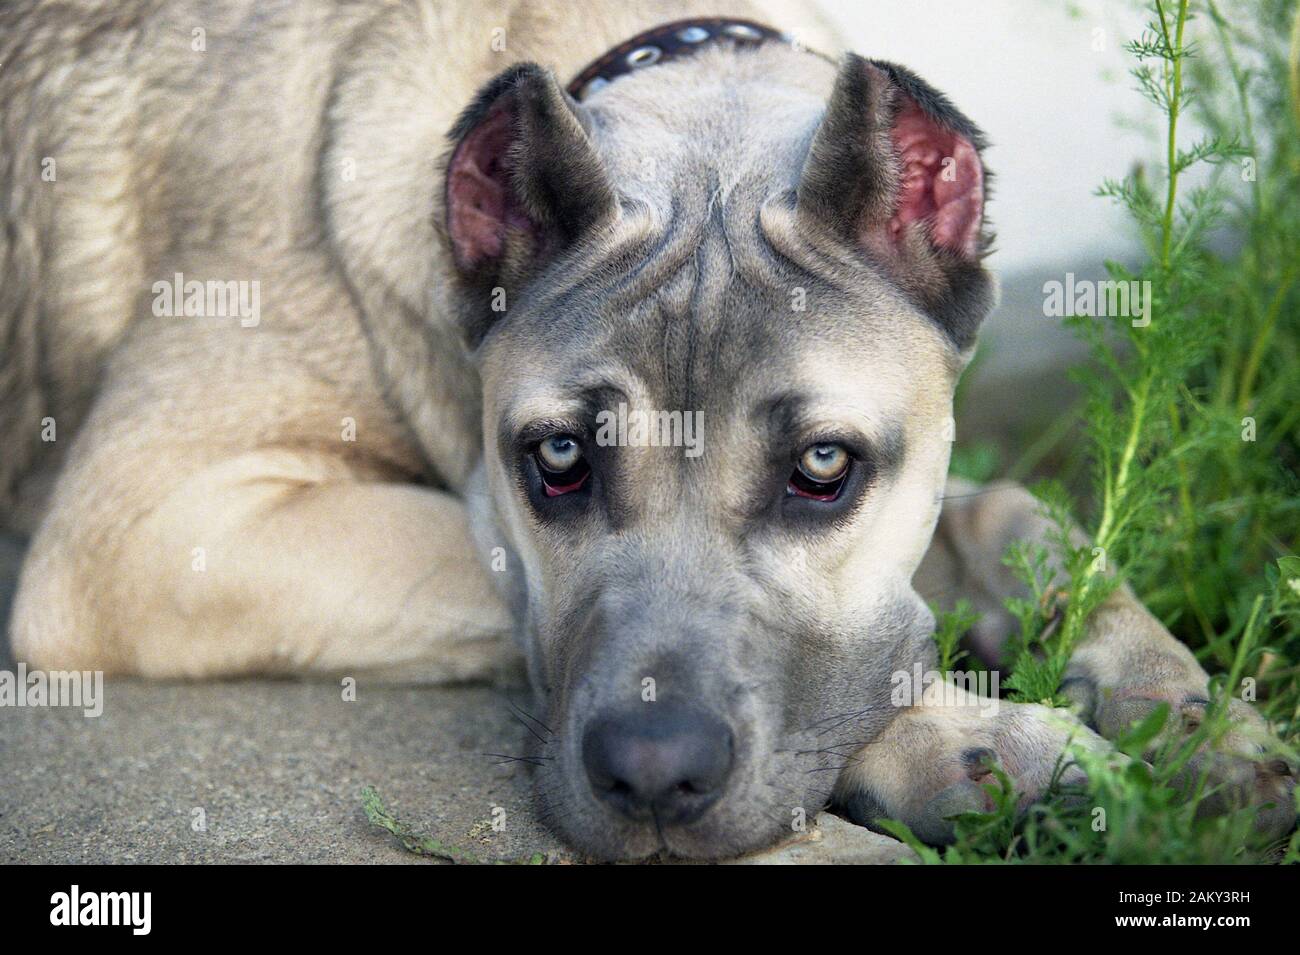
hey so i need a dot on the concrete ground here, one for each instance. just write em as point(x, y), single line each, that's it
point(275, 769)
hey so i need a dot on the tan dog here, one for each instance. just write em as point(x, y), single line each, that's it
point(294, 383)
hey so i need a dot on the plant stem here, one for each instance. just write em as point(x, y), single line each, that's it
point(1175, 87)
point(1239, 83)
point(1116, 493)
point(1263, 339)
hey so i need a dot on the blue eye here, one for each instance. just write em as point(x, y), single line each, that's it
point(561, 464)
point(821, 472)
point(559, 453)
point(824, 462)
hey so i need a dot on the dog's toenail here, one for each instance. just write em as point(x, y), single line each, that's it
point(979, 761)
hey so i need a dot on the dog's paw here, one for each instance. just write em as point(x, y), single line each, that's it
point(935, 763)
point(1244, 767)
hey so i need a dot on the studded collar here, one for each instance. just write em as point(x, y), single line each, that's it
point(669, 41)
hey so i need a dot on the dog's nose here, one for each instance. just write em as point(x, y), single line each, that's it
point(660, 761)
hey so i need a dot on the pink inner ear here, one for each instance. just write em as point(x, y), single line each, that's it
point(943, 182)
point(480, 204)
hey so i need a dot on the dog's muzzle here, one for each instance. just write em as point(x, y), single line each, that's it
point(660, 762)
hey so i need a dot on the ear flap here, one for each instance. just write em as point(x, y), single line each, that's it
point(895, 170)
point(523, 183)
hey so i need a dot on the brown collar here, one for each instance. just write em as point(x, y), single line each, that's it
point(666, 42)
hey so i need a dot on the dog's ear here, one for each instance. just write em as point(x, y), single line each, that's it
point(523, 183)
point(895, 169)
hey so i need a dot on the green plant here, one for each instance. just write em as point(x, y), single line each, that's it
point(378, 815)
point(1191, 426)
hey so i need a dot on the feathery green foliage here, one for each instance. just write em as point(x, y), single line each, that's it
point(1191, 427)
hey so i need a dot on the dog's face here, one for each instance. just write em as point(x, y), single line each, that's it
point(716, 427)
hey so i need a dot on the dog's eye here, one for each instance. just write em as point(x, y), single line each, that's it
point(559, 453)
point(820, 472)
point(561, 464)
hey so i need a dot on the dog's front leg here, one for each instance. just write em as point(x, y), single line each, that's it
point(272, 561)
point(1126, 664)
point(935, 760)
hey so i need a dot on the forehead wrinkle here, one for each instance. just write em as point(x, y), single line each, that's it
point(614, 267)
point(769, 276)
point(707, 315)
point(832, 264)
point(767, 257)
point(674, 306)
point(673, 247)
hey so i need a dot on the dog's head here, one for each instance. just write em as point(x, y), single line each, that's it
point(719, 320)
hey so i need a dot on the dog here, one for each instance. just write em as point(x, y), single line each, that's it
point(298, 382)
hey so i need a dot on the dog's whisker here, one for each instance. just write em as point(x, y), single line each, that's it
point(524, 713)
point(540, 738)
point(508, 758)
